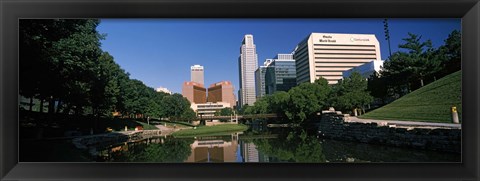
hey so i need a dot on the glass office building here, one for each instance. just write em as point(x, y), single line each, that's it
point(280, 74)
point(260, 78)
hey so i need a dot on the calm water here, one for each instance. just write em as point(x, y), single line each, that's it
point(261, 144)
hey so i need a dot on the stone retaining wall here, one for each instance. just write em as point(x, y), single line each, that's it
point(332, 126)
point(102, 140)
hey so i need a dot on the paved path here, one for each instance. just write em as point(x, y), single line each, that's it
point(405, 123)
point(167, 131)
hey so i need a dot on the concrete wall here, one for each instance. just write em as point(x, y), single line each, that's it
point(101, 140)
point(332, 126)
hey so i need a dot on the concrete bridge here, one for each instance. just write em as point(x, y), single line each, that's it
point(238, 117)
point(233, 118)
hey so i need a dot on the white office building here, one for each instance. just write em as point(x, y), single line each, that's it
point(328, 55)
point(197, 74)
point(163, 89)
point(366, 70)
point(247, 64)
point(209, 108)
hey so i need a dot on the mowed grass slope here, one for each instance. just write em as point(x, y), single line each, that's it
point(211, 130)
point(431, 103)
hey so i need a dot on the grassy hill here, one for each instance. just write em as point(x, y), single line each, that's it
point(431, 103)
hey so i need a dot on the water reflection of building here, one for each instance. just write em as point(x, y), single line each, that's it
point(214, 149)
point(250, 153)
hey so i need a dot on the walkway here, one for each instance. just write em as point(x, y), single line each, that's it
point(405, 123)
point(168, 131)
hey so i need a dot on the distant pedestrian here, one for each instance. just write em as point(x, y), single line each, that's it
point(174, 126)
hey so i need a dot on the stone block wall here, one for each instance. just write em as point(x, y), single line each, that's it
point(332, 126)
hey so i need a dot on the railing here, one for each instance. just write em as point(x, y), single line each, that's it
point(231, 117)
point(239, 116)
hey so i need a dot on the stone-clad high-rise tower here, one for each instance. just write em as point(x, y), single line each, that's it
point(196, 74)
point(247, 64)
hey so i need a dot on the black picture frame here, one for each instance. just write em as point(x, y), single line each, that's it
point(11, 11)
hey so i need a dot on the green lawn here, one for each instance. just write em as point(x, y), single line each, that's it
point(177, 124)
point(118, 124)
point(431, 103)
point(146, 126)
point(211, 130)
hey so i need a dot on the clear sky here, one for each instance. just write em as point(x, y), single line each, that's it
point(159, 52)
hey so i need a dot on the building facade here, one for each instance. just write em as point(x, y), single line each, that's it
point(328, 55)
point(194, 92)
point(222, 92)
point(280, 74)
point(209, 108)
point(366, 70)
point(260, 79)
point(247, 64)
point(197, 74)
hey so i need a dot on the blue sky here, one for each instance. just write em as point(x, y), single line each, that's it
point(159, 52)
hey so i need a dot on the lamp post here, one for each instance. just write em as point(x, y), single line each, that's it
point(387, 36)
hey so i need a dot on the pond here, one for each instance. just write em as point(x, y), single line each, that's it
point(263, 144)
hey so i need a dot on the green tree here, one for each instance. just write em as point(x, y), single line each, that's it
point(377, 86)
point(260, 106)
point(450, 54)
point(406, 71)
point(105, 87)
point(224, 112)
point(58, 60)
point(173, 150)
point(295, 146)
point(307, 99)
point(176, 106)
point(351, 93)
point(279, 102)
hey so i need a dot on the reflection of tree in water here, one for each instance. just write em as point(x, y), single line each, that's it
point(342, 151)
point(172, 150)
point(294, 146)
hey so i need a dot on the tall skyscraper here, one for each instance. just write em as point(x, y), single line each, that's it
point(260, 78)
point(196, 74)
point(247, 64)
point(280, 74)
point(327, 55)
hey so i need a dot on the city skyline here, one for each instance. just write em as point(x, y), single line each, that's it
point(150, 51)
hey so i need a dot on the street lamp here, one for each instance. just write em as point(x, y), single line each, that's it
point(387, 35)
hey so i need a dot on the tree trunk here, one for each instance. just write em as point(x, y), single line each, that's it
point(67, 109)
point(31, 104)
point(58, 106)
point(51, 105)
point(41, 106)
